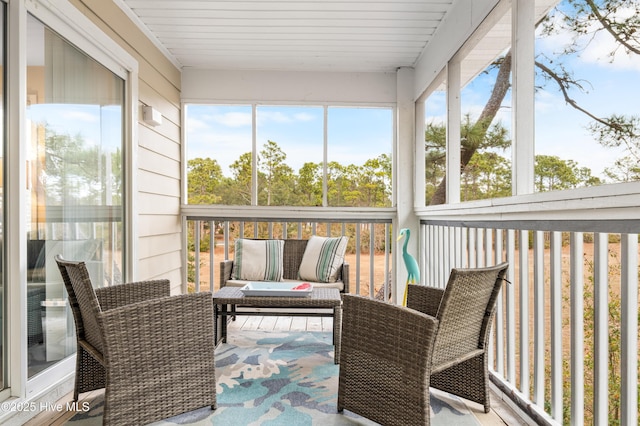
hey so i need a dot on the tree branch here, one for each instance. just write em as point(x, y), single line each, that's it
point(572, 102)
point(606, 24)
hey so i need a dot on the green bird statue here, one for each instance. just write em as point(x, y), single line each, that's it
point(410, 263)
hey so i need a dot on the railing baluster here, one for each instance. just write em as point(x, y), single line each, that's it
point(440, 249)
point(601, 328)
point(488, 252)
point(226, 239)
point(577, 328)
point(358, 250)
point(499, 322)
point(555, 276)
point(386, 283)
point(538, 318)
point(511, 308)
point(212, 258)
point(196, 252)
point(371, 259)
point(523, 279)
point(629, 330)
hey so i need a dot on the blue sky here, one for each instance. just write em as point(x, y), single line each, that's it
point(98, 126)
point(612, 87)
point(224, 132)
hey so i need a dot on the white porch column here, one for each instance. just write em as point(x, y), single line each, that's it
point(454, 116)
point(406, 155)
point(523, 76)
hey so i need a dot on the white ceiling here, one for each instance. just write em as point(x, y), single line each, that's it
point(292, 35)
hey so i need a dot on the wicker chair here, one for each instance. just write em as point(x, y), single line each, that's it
point(384, 373)
point(465, 309)
point(152, 352)
point(386, 370)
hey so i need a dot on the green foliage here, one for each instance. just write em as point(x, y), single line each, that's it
point(368, 185)
point(205, 176)
point(75, 172)
point(626, 169)
point(309, 185)
point(276, 178)
point(488, 174)
point(553, 173)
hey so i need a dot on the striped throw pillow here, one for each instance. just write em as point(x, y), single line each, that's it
point(258, 260)
point(322, 259)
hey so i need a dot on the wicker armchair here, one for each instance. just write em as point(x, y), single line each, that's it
point(465, 309)
point(456, 361)
point(385, 369)
point(152, 352)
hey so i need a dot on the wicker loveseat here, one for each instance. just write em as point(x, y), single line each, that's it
point(292, 258)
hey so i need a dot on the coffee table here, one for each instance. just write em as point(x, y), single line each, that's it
point(227, 299)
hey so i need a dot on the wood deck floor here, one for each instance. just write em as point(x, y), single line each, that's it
point(499, 416)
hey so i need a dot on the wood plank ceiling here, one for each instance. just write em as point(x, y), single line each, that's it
point(291, 35)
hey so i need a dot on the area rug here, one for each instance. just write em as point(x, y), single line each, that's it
point(281, 379)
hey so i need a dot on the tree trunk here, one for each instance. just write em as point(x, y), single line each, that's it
point(483, 123)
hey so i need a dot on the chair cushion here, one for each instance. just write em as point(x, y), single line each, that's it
point(322, 259)
point(338, 284)
point(258, 260)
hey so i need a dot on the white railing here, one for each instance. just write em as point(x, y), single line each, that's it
point(369, 269)
point(565, 339)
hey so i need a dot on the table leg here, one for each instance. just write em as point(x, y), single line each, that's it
point(337, 333)
point(223, 326)
point(216, 324)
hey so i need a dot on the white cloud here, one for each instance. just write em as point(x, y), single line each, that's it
point(80, 116)
point(547, 101)
point(233, 119)
point(195, 125)
point(280, 117)
point(595, 47)
point(273, 116)
point(303, 116)
point(599, 52)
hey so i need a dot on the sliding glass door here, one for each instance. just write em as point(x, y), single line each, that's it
point(75, 133)
point(3, 286)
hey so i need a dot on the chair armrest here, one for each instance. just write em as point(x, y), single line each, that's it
point(424, 299)
point(226, 267)
point(119, 295)
point(161, 344)
point(380, 339)
point(345, 277)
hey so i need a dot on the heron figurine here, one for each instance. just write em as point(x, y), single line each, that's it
point(410, 263)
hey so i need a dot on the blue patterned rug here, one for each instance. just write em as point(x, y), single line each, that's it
point(281, 378)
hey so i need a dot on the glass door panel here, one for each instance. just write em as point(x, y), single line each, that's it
point(3, 290)
point(75, 138)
